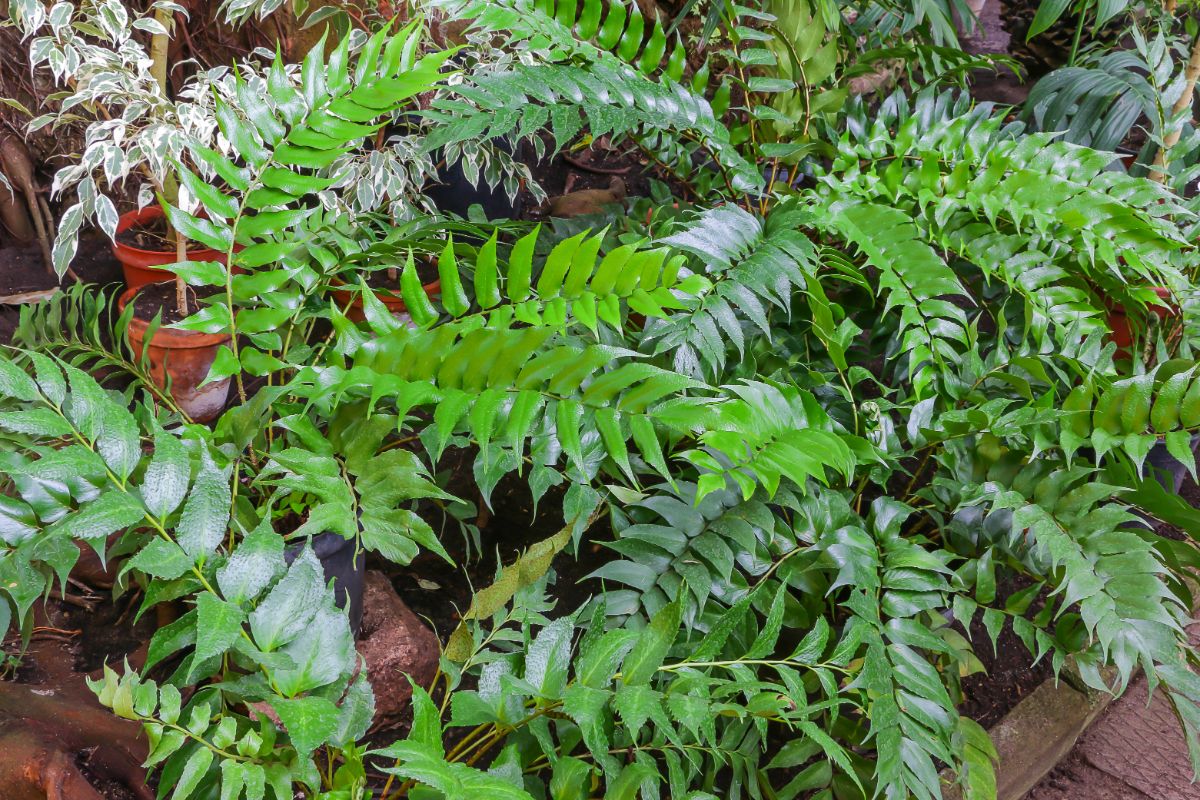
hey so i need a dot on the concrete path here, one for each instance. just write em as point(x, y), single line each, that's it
point(1133, 752)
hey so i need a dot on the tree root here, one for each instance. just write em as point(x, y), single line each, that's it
point(18, 166)
point(42, 738)
point(14, 216)
point(54, 729)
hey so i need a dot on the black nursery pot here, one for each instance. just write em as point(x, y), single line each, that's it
point(451, 191)
point(336, 555)
point(1168, 470)
point(454, 193)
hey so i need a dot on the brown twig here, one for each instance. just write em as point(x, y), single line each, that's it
point(71, 599)
point(575, 162)
point(61, 631)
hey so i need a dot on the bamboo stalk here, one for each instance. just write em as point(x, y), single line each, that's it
point(159, 43)
point(158, 48)
point(180, 286)
point(1158, 172)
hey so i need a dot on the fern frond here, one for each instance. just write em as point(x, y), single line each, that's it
point(718, 547)
point(596, 68)
point(286, 139)
point(504, 386)
point(1130, 415)
point(1064, 528)
point(753, 265)
point(613, 100)
point(913, 278)
point(617, 29)
point(574, 285)
point(81, 325)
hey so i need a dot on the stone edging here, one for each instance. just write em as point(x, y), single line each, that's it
point(1038, 733)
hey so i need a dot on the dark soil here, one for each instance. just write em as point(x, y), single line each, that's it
point(160, 297)
point(439, 592)
point(153, 235)
point(1010, 675)
point(23, 270)
point(150, 235)
point(594, 168)
point(10, 317)
point(108, 788)
point(107, 633)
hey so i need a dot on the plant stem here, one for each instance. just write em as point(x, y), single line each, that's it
point(1158, 172)
point(158, 48)
point(1075, 40)
point(180, 286)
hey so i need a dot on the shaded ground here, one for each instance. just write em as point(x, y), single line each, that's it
point(23, 275)
point(1136, 750)
point(1002, 86)
point(1010, 675)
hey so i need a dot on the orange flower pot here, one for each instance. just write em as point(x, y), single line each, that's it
point(185, 357)
point(352, 302)
point(138, 264)
point(1118, 320)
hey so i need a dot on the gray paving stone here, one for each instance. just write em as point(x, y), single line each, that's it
point(1142, 746)
point(1075, 779)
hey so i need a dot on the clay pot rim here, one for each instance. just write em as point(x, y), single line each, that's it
point(1164, 294)
point(339, 285)
point(168, 338)
point(152, 212)
point(395, 302)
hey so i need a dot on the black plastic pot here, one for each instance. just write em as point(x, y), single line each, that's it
point(452, 193)
point(455, 194)
point(1164, 467)
point(336, 555)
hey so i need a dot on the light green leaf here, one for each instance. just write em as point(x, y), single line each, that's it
point(218, 626)
point(548, 658)
point(654, 643)
point(15, 383)
point(110, 512)
point(257, 561)
point(166, 480)
point(291, 604)
point(161, 559)
point(193, 773)
point(205, 518)
point(323, 652)
point(310, 721)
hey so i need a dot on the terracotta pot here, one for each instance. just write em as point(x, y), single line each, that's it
point(186, 357)
point(1118, 320)
point(395, 304)
point(138, 265)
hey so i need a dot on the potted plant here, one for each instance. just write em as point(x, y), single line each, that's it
point(267, 219)
point(139, 130)
point(1126, 329)
point(143, 245)
point(393, 261)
